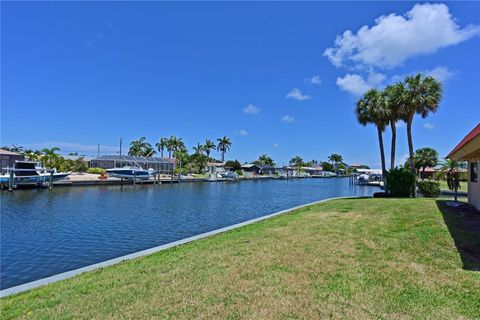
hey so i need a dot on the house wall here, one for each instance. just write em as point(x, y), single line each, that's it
point(474, 187)
point(8, 160)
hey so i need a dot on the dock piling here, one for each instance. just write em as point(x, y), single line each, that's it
point(10, 181)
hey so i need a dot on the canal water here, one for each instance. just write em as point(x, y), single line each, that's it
point(46, 232)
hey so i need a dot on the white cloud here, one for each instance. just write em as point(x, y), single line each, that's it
point(394, 38)
point(297, 95)
point(314, 80)
point(357, 85)
point(275, 145)
point(428, 126)
point(243, 132)
point(287, 119)
point(440, 73)
point(251, 109)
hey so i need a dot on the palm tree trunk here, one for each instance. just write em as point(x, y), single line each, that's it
point(223, 155)
point(393, 125)
point(382, 157)
point(410, 151)
point(161, 152)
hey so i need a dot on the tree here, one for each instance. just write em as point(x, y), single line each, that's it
point(233, 165)
point(296, 161)
point(176, 145)
point(50, 157)
point(371, 109)
point(199, 148)
point(162, 145)
point(140, 148)
point(196, 162)
point(416, 95)
point(327, 166)
point(223, 146)
point(264, 160)
point(209, 146)
point(450, 170)
point(335, 159)
point(393, 115)
point(425, 157)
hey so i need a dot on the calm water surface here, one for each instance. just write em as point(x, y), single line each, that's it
point(48, 232)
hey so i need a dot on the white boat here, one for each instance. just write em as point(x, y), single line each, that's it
point(30, 173)
point(131, 173)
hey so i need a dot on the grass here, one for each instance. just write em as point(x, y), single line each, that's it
point(351, 258)
point(463, 186)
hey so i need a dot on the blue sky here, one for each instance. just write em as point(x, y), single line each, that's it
point(269, 75)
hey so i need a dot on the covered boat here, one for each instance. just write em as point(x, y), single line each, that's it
point(30, 173)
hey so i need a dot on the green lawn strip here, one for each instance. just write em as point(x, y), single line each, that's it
point(463, 186)
point(349, 258)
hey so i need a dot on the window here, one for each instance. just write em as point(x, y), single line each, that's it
point(474, 171)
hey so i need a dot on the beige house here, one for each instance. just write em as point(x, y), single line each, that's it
point(469, 150)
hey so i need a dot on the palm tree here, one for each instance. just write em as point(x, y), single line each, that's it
point(208, 146)
point(417, 95)
point(140, 148)
point(393, 109)
point(450, 170)
point(265, 160)
point(425, 157)
point(199, 148)
point(50, 156)
point(371, 109)
point(175, 145)
point(224, 146)
point(161, 145)
point(335, 159)
point(296, 161)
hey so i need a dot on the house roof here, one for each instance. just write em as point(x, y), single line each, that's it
point(4, 152)
point(215, 164)
point(249, 165)
point(472, 135)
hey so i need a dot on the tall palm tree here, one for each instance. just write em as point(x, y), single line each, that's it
point(393, 109)
point(50, 156)
point(208, 146)
point(371, 109)
point(224, 146)
point(423, 158)
point(335, 159)
point(199, 148)
point(174, 145)
point(161, 145)
point(416, 95)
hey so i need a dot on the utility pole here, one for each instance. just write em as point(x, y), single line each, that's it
point(98, 151)
point(120, 146)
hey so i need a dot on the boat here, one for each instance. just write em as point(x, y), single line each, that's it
point(131, 173)
point(30, 173)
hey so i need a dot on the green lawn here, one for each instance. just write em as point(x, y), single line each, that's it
point(355, 259)
point(463, 186)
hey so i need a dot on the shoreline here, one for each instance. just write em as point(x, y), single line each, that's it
point(69, 274)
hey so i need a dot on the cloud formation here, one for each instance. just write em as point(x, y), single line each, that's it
point(297, 95)
point(287, 119)
point(394, 38)
point(428, 126)
point(243, 132)
point(314, 80)
point(357, 85)
point(251, 109)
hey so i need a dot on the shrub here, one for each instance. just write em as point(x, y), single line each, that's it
point(380, 195)
point(429, 188)
point(400, 182)
point(96, 170)
point(239, 172)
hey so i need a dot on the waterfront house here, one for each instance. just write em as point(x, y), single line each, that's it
point(431, 173)
point(163, 165)
point(250, 169)
point(356, 166)
point(267, 170)
point(314, 170)
point(468, 149)
point(8, 158)
point(215, 167)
